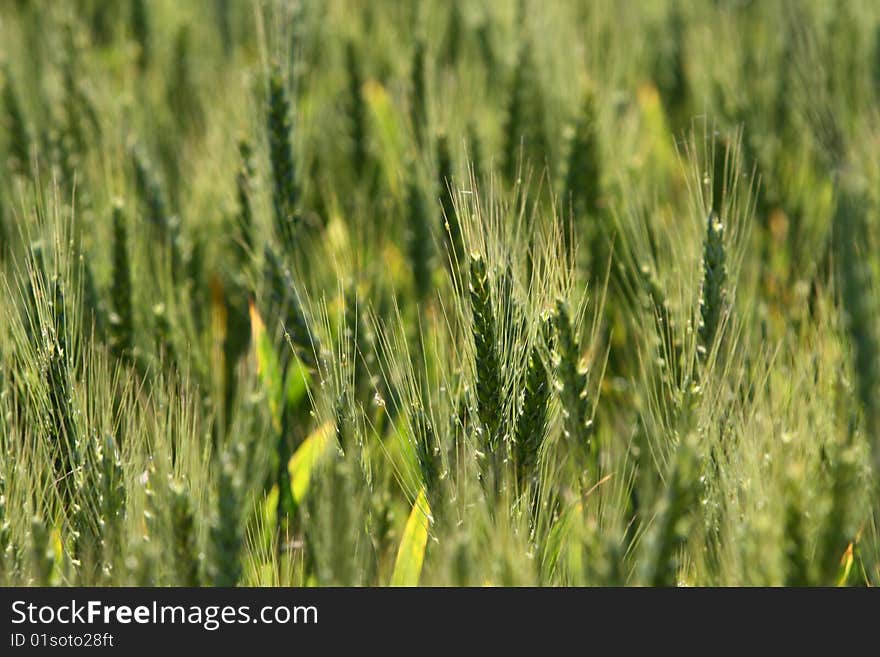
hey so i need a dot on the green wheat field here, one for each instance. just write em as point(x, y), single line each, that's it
point(439, 293)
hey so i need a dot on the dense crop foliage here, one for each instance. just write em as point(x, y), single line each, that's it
point(446, 293)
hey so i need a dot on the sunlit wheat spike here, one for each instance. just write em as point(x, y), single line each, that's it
point(182, 92)
point(674, 520)
point(163, 333)
point(226, 532)
point(858, 298)
point(796, 551)
point(142, 32)
point(86, 524)
point(455, 30)
point(184, 541)
point(37, 283)
point(279, 127)
point(223, 15)
point(571, 381)
point(475, 153)
point(113, 494)
point(581, 185)
point(845, 513)
point(121, 321)
point(357, 111)
point(419, 239)
point(713, 296)
point(532, 421)
point(73, 130)
point(486, 42)
point(244, 187)
point(156, 208)
point(524, 131)
point(419, 93)
point(670, 347)
point(671, 70)
point(62, 426)
point(94, 311)
point(17, 131)
point(427, 451)
point(487, 364)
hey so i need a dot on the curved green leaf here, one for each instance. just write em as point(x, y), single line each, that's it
point(312, 450)
point(268, 367)
point(411, 553)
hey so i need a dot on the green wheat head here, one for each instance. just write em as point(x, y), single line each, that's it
point(524, 131)
point(185, 552)
point(121, 320)
point(713, 297)
point(857, 296)
point(142, 32)
point(571, 381)
point(156, 209)
point(227, 532)
point(419, 240)
point(18, 134)
point(486, 357)
point(279, 127)
point(674, 520)
point(531, 424)
point(581, 191)
point(244, 188)
point(357, 111)
point(419, 94)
